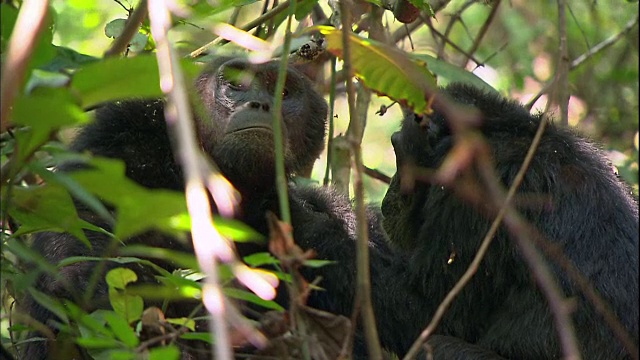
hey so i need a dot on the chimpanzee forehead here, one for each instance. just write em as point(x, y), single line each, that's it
point(265, 71)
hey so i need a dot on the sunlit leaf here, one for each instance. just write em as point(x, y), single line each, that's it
point(48, 108)
point(186, 322)
point(384, 69)
point(252, 298)
point(122, 78)
point(121, 329)
point(170, 352)
point(128, 306)
point(260, 259)
point(202, 336)
point(448, 73)
point(138, 208)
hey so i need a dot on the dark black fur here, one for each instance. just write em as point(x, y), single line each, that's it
point(592, 216)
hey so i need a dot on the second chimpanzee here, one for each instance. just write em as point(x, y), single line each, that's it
point(590, 214)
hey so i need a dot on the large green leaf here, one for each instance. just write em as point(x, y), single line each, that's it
point(122, 78)
point(47, 109)
point(128, 306)
point(138, 208)
point(448, 73)
point(385, 69)
point(117, 78)
point(46, 208)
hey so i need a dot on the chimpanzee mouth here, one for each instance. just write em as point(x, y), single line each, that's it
point(260, 128)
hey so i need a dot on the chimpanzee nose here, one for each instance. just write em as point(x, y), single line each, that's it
point(259, 105)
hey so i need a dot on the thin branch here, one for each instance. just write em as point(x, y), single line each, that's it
point(560, 93)
point(454, 45)
point(29, 25)
point(130, 29)
point(482, 32)
point(377, 174)
point(207, 242)
point(259, 20)
point(354, 135)
point(457, 16)
point(604, 44)
point(586, 56)
point(330, 131)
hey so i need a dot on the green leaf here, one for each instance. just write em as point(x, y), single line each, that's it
point(304, 8)
point(260, 259)
point(119, 260)
point(8, 15)
point(202, 336)
point(138, 208)
point(117, 78)
point(114, 28)
point(43, 78)
point(122, 78)
point(423, 5)
point(121, 329)
point(28, 140)
point(236, 230)
point(78, 192)
point(97, 342)
point(252, 298)
point(384, 69)
point(167, 292)
point(170, 352)
point(312, 263)
point(186, 322)
point(181, 259)
point(90, 324)
point(49, 109)
point(448, 73)
point(46, 208)
point(50, 303)
point(68, 59)
point(128, 306)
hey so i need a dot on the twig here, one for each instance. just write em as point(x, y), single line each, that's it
point(604, 44)
point(330, 131)
point(560, 92)
point(586, 56)
point(457, 16)
point(130, 29)
point(29, 24)
point(259, 20)
point(378, 175)
point(454, 45)
point(482, 32)
point(208, 243)
point(354, 135)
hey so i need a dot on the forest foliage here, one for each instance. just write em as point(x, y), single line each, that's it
point(511, 47)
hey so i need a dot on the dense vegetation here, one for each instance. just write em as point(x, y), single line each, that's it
point(582, 56)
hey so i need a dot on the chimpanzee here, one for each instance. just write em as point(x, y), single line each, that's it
point(587, 211)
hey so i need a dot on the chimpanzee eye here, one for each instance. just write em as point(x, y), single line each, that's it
point(237, 79)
